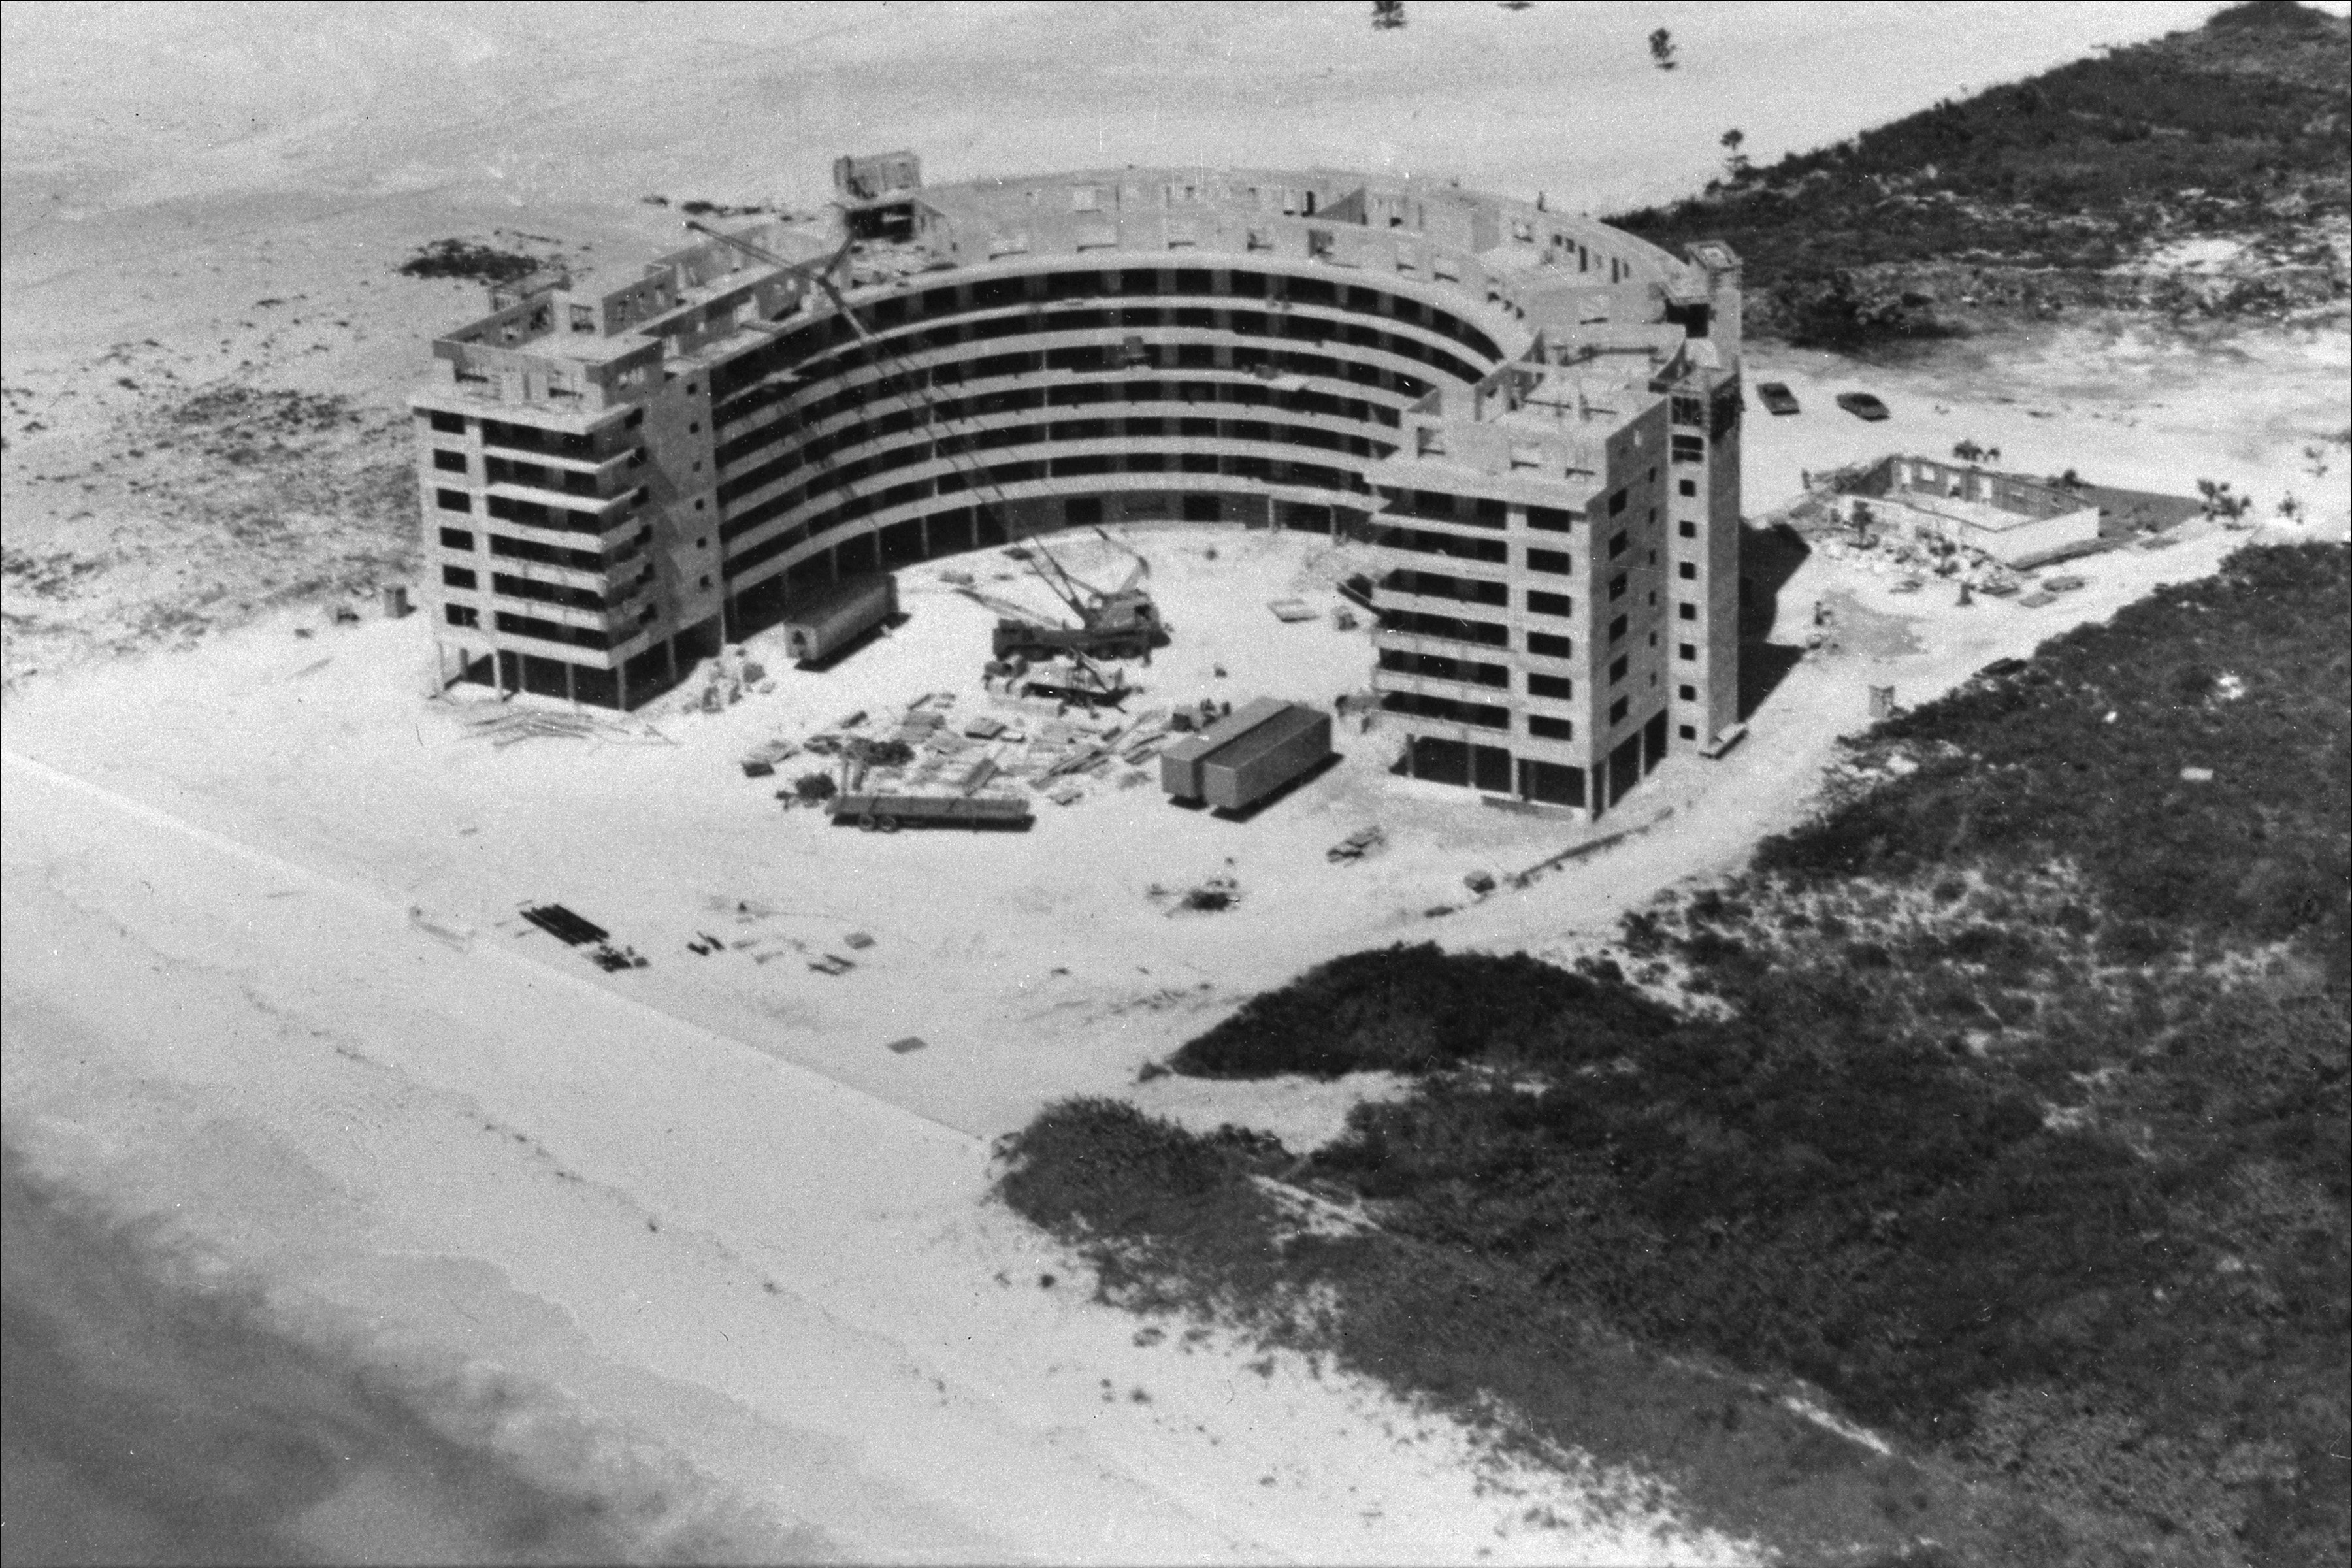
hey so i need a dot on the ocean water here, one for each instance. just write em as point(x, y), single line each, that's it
point(150, 1416)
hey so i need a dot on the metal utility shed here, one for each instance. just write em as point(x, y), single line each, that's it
point(1247, 755)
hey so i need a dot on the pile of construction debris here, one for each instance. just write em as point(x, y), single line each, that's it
point(1912, 564)
point(1214, 895)
point(727, 679)
point(930, 747)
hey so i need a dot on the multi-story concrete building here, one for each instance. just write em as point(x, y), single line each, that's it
point(1559, 606)
point(615, 481)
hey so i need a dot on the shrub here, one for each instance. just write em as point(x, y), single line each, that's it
point(1828, 1180)
point(464, 259)
point(1413, 1008)
point(2132, 147)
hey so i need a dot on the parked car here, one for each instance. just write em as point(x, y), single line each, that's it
point(1776, 396)
point(1862, 405)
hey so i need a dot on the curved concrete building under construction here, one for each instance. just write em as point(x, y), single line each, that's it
point(1531, 418)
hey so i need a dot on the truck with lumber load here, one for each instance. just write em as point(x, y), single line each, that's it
point(821, 624)
point(889, 813)
point(1247, 755)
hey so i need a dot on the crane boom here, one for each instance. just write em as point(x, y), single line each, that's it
point(1080, 597)
point(819, 272)
point(1126, 612)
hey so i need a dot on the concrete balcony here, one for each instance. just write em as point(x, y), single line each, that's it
point(1578, 708)
point(521, 449)
point(1386, 598)
point(595, 558)
point(593, 581)
point(1412, 641)
point(1388, 558)
point(1439, 686)
point(594, 540)
point(626, 646)
point(1456, 527)
point(1340, 428)
point(567, 500)
point(617, 610)
point(602, 468)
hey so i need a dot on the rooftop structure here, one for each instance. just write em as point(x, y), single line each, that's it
point(617, 480)
point(876, 193)
point(2006, 516)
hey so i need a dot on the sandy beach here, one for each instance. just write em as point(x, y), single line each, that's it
point(690, 1250)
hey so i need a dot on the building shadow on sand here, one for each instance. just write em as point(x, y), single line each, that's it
point(1768, 557)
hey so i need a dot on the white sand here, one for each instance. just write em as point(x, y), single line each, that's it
point(479, 1150)
point(465, 1140)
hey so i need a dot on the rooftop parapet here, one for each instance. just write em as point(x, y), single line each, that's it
point(1415, 227)
point(1529, 428)
point(583, 351)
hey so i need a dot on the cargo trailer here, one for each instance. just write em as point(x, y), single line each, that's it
point(821, 624)
point(1180, 764)
point(1248, 755)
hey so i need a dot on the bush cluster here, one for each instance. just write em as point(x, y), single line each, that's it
point(1414, 1008)
point(2024, 1135)
point(2237, 127)
point(465, 260)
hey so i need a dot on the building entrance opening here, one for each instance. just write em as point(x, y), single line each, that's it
point(1439, 760)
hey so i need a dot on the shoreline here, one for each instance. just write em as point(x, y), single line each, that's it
point(610, 1241)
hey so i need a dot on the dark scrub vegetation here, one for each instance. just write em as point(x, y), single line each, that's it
point(465, 259)
point(2239, 128)
point(2015, 1123)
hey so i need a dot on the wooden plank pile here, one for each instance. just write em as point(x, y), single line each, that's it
point(505, 726)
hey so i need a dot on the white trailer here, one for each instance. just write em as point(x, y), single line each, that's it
point(823, 623)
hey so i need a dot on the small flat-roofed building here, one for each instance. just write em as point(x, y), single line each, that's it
point(2005, 516)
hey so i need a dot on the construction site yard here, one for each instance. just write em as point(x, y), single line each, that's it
point(270, 964)
point(972, 977)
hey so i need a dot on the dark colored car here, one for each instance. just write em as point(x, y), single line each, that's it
point(1862, 405)
point(1776, 396)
